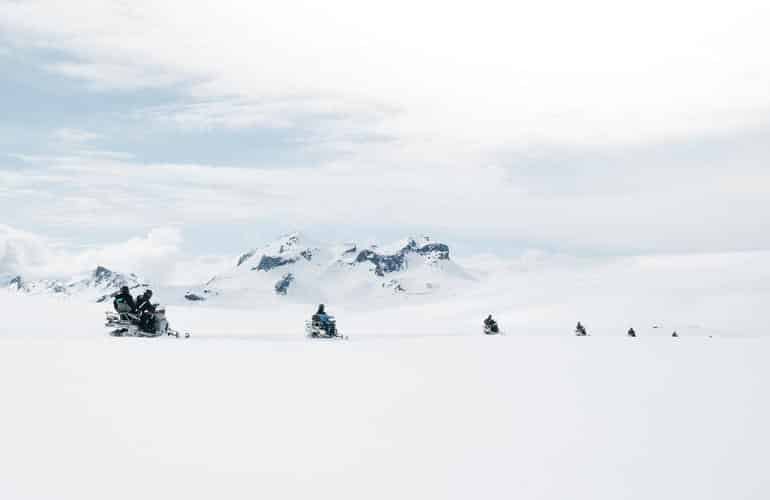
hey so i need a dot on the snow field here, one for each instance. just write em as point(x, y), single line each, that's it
point(249, 416)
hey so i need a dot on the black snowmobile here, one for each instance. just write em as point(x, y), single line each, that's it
point(491, 327)
point(322, 326)
point(131, 324)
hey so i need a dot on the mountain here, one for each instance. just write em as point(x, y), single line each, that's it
point(298, 268)
point(97, 285)
point(292, 268)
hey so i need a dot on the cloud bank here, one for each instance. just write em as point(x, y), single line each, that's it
point(594, 127)
point(21, 251)
point(154, 256)
point(484, 73)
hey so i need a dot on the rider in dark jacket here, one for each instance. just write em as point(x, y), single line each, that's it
point(143, 302)
point(491, 324)
point(323, 320)
point(320, 315)
point(146, 311)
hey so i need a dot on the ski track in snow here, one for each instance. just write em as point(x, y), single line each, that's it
point(251, 409)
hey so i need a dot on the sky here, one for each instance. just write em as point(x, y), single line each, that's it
point(133, 130)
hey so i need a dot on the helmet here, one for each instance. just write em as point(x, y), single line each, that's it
point(124, 289)
point(148, 293)
point(320, 309)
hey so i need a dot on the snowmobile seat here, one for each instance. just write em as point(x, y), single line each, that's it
point(122, 307)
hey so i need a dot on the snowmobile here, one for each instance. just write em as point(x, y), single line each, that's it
point(127, 324)
point(317, 328)
point(492, 328)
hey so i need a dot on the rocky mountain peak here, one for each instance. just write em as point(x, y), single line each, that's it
point(286, 250)
point(16, 283)
point(292, 266)
point(100, 283)
point(394, 260)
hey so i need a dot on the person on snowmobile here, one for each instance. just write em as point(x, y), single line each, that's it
point(323, 320)
point(124, 302)
point(580, 330)
point(674, 334)
point(146, 311)
point(143, 301)
point(490, 325)
point(631, 332)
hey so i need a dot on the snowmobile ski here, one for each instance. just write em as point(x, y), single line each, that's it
point(128, 325)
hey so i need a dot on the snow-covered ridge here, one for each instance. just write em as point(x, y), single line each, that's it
point(286, 250)
point(297, 267)
point(292, 248)
point(98, 285)
point(384, 262)
point(292, 267)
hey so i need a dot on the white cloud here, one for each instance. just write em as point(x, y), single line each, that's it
point(20, 251)
point(461, 93)
point(74, 136)
point(154, 256)
point(106, 76)
point(725, 210)
point(283, 112)
point(482, 74)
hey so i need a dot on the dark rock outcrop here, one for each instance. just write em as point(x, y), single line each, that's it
point(268, 262)
point(395, 285)
point(438, 250)
point(282, 285)
point(243, 258)
point(383, 263)
point(389, 263)
point(102, 274)
point(106, 278)
point(16, 283)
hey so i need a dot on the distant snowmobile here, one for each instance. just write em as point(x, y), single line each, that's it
point(580, 330)
point(127, 324)
point(491, 327)
point(322, 325)
point(631, 332)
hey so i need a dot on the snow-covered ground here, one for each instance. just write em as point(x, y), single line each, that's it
point(418, 404)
